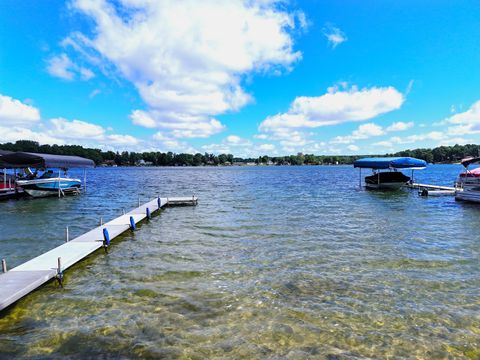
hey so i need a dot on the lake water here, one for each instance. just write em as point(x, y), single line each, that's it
point(274, 262)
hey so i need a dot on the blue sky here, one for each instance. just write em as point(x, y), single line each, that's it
point(245, 77)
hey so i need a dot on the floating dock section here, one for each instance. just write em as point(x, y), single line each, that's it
point(434, 190)
point(25, 278)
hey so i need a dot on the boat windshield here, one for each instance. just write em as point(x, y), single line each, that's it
point(47, 175)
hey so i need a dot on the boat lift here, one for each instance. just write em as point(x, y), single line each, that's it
point(388, 163)
point(22, 160)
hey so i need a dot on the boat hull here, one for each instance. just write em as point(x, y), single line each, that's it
point(391, 180)
point(468, 195)
point(386, 186)
point(49, 187)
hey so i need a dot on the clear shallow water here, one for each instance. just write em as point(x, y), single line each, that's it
point(274, 262)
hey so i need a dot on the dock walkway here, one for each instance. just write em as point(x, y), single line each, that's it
point(431, 187)
point(25, 278)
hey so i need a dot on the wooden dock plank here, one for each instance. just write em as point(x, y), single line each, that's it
point(28, 276)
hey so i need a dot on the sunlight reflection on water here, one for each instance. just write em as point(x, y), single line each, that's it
point(290, 262)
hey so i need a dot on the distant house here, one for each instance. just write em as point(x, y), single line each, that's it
point(109, 163)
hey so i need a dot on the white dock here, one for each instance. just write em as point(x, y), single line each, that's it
point(25, 278)
point(430, 187)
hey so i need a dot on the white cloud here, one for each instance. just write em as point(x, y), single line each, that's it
point(63, 67)
point(14, 112)
point(187, 58)
point(94, 93)
point(369, 130)
point(335, 107)
point(267, 147)
point(217, 148)
point(86, 74)
point(234, 139)
point(122, 139)
point(409, 87)
point(364, 131)
point(14, 133)
point(166, 143)
point(383, 143)
point(353, 147)
point(142, 118)
point(433, 138)
point(334, 35)
point(399, 126)
point(60, 66)
point(465, 123)
point(75, 129)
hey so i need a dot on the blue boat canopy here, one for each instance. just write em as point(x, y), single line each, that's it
point(390, 163)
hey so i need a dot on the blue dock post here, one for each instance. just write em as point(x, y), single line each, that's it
point(159, 203)
point(132, 223)
point(149, 216)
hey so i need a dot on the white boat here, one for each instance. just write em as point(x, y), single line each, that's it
point(468, 182)
point(50, 183)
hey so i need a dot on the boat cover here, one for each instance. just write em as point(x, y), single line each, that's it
point(25, 159)
point(470, 160)
point(2, 153)
point(390, 163)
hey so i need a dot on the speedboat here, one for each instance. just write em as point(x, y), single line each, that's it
point(469, 181)
point(391, 179)
point(49, 184)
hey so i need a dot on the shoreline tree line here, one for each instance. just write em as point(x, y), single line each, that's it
point(441, 154)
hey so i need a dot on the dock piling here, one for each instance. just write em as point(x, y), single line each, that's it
point(4, 265)
point(67, 234)
point(132, 223)
point(149, 215)
point(59, 272)
point(101, 221)
point(106, 240)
